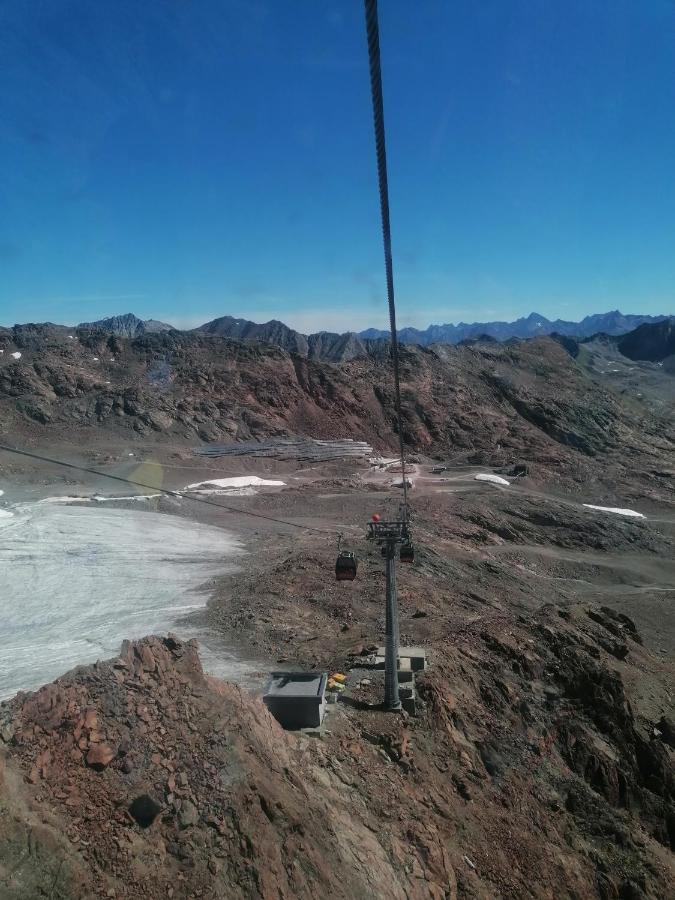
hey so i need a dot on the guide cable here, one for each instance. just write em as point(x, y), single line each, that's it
point(159, 490)
point(373, 34)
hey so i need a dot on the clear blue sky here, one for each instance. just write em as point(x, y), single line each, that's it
point(184, 159)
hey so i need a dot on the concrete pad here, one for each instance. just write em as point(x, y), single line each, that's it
point(414, 658)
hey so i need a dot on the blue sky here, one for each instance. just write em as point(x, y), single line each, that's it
point(185, 160)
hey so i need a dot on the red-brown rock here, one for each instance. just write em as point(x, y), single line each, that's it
point(100, 756)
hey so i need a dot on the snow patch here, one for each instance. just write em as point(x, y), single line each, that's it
point(15, 355)
point(5, 514)
point(617, 510)
point(239, 481)
point(97, 498)
point(100, 499)
point(1, 493)
point(66, 500)
point(223, 492)
point(494, 479)
point(142, 569)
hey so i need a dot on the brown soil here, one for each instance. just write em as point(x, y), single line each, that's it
point(541, 762)
point(539, 765)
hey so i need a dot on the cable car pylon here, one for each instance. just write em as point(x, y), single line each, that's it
point(389, 535)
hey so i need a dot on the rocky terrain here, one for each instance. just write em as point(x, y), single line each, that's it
point(324, 346)
point(540, 764)
point(141, 778)
point(485, 403)
point(639, 366)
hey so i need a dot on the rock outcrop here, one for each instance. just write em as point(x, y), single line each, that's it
point(526, 774)
point(140, 777)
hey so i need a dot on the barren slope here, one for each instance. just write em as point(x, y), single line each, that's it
point(484, 403)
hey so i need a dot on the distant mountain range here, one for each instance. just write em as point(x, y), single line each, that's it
point(331, 347)
point(612, 323)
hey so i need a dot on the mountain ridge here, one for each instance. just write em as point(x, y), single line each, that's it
point(333, 347)
point(325, 345)
point(534, 400)
point(341, 347)
point(534, 325)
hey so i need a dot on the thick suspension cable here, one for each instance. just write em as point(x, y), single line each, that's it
point(373, 34)
point(174, 494)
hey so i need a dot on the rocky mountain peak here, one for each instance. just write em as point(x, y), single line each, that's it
point(127, 325)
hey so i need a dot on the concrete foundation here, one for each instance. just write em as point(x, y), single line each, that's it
point(409, 658)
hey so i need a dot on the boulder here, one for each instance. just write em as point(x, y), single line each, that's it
point(100, 756)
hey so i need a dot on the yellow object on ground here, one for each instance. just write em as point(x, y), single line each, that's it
point(338, 676)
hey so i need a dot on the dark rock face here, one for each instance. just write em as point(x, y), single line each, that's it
point(636, 774)
point(650, 342)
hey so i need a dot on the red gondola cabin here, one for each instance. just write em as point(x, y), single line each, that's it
point(345, 567)
point(407, 553)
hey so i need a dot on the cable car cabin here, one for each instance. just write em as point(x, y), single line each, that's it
point(407, 553)
point(345, 567)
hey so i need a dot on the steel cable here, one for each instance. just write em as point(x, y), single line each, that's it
point(159, 490)
point(373, 35)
